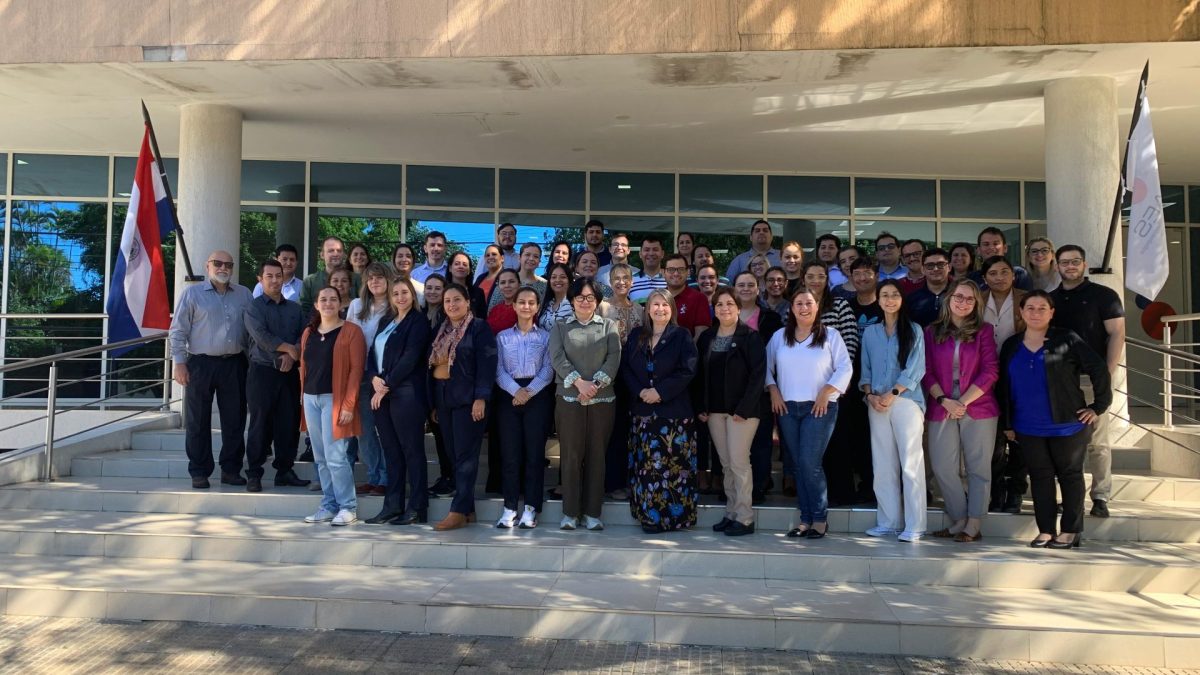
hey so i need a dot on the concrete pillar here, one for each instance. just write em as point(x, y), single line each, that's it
point(1083, 166)
point(210, 180)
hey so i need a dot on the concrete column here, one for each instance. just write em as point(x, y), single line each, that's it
point(210, 180)
point(1083, 166)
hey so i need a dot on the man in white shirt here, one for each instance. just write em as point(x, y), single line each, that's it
point(288, 257)
point(618, 246)
point(760, 243)
point(435, 257)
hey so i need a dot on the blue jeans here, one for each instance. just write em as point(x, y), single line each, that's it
point(370, 451)
point(333, 466)
point(805, 438)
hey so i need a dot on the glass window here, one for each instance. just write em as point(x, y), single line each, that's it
point(1194, 205)
point(952, 233)
point(356, 183)
point(865, 231)
point(528, 189)
point(1035, 200)
point(264, 181)
point(633, 191)
point(145, 367)
point(378, 229)
point(465, 231)
point(882, 197)
point(124, 168)
point(32, 338)
point(451, 186)
point(720, 194)
point(57, 262)
point(1173, 211)
point(812, 195)
point(60, 176)
point(544, 229)
point(263, 228)
point(806, 231)
point(727, 237)
point(981, 199)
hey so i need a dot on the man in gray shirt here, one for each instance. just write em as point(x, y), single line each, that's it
point(208, 344)
point(273, 383)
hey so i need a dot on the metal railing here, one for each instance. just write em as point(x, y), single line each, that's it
point(104, 401)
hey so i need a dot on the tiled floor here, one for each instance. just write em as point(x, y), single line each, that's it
point(35, 645)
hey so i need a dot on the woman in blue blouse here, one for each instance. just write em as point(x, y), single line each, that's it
point(396, 372)
point(1043, 408)
point(657, 367)
point(523, 408)
point(893, 363)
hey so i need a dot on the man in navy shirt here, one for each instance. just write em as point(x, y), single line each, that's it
point(925, 303)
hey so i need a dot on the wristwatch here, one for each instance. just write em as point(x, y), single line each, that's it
point(940, 399)
point(895, 391)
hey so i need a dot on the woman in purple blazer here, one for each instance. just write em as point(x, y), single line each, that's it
point(961, 369)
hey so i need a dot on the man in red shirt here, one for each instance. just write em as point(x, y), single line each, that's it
point(911, 253)
point(690, 304)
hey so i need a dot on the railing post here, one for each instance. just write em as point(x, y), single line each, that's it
point(167, 382)
point(51, 404)
point(1168, 390)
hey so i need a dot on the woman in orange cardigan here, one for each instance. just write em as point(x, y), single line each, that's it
point(332, 354)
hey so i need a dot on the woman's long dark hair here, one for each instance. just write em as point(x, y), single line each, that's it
point(789, 328)
point(470, 267)
point(315, 319)
point(509, 270)
point(826, 303)
point(906, 331)
point(548, 296)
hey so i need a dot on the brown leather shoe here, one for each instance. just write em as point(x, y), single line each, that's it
point(452, 521)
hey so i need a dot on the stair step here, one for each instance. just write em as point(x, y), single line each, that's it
point(1172, 522)
point(1124, 567)
point(1028, 625)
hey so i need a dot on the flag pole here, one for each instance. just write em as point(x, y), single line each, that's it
point(1115, 224)
point(162, 172)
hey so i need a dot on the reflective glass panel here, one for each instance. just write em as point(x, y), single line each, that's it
point(264, 181)
point(633, 191)
point(1035, 200)
point(545, 229)
point(451, 186)
point(865, 231)
point(57, 262)
point(720, 193)
point(32, 338)
point(727, 237)
point(356, 183)
point(981, 199)
point(1194, 206)
point(953, 233)
point(263, 228)
point(812, 195)
point(60, 176)
point(124, 168)
point(806, 231)
point(1173, 206)
point(881, 197)
point(378, 229)
point(464, 230)
point(529, 189)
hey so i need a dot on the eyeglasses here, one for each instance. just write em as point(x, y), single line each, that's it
point(1040, 251)
point(885, 247)
point(964, 299)
point(585, 298)
point(221, 264)
point(936, 265)
point(676, 269)
point(911, 256)
point(1071, 262)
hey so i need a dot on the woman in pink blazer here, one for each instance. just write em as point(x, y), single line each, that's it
point(961, 369)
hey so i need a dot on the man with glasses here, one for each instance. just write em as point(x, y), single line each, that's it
point(208, 347)
point(887, 255)
point(333, 254)
point(925, 303)
point(506, 239)
point(288, 257)
point(911, 253)
point(761, 237)
point(1095, 313)
point(827, 248)
point(691, 307)
point(618, 248)
point(990, 242)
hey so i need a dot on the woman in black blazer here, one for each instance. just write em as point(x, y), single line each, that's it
point(727, 394)
point(396, 371)
point(462, 370)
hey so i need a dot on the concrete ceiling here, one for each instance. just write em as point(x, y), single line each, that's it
point(967, 112)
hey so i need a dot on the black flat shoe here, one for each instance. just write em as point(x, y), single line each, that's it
point(383, 517)
point(723, 525)
point(232, 479)
point(290, 479)
point(737, 529)
point(814, 534)
point(798, 533)
point(253, 485)
point(200, 483)
point(1074, 543)
point(1099, 508)
point(411, 517)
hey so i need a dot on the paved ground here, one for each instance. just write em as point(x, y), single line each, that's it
point(37, 645)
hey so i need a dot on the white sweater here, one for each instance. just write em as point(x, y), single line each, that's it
point(800, 371)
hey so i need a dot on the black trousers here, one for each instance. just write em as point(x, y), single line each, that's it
point(463, 439)
point(224, 377)
point(760, 447)
point(274, 418)
point(495, 475)
point(849, 452)
point(616, 457)
point(1009, 475)
point(1059, 457)
point(445, 463)
point(522, 444)
point(401, 424)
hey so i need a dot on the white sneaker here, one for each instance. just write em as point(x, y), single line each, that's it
point(321, 516)
point(568, 523)
point(507, 519)
point(911, 536)
point(528, 519)
point(344, 517)
point(881, 531)
point(593, 524)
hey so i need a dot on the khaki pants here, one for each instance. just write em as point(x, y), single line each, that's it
point(733, 447)
point(1098, 460)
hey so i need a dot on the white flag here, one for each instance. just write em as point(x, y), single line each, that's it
point(1146, 265)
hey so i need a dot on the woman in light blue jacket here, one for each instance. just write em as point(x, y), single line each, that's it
point(893, 363)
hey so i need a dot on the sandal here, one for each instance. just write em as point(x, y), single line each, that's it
point(944, 533)
point(963, 537)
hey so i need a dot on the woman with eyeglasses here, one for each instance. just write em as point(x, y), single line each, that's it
point(1043, 273)
point(1044, 409)
point(775, 294)
point(961, 369)
point(586, 353)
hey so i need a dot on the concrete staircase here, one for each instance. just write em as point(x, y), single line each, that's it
point(125, 537)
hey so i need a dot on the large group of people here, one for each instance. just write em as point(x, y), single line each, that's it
point(880, 377)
